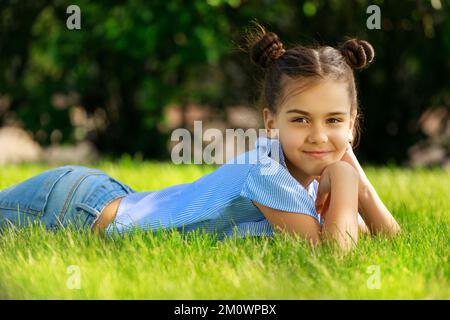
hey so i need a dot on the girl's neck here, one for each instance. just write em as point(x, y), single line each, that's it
point(304, 180)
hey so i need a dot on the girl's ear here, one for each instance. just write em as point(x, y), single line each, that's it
point(269, 119)
point(352, 121)
point(352, 127)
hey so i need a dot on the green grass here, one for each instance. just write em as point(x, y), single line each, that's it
point(35, 264)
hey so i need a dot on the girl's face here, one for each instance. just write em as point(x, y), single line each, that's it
point(306, 123)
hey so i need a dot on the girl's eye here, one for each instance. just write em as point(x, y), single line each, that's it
point(337, 120)
point(299, 120)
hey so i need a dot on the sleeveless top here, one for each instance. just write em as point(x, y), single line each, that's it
point(221, 202)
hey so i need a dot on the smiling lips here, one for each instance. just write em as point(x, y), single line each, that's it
point(317, 155)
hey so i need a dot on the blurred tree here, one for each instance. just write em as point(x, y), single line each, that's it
point(129, 58)
point(132, 58)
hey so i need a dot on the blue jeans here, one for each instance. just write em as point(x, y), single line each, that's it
point(59, 197)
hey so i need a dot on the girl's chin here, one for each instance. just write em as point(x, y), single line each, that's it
point(313, 171)
point(319, 170)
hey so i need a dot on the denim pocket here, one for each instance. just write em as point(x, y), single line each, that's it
point(127, 188)
point(86, 215)
point(107, 191)
point(31, 195)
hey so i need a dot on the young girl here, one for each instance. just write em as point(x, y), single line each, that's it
point(317, 190)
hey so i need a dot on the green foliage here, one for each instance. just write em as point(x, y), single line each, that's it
point(132, 58)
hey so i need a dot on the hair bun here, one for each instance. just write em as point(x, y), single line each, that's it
point(358, 54)
point(268, 49)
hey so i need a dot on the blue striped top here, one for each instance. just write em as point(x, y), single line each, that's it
point(221, 201)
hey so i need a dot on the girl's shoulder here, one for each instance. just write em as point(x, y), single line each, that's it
point(265, 167)
point(270, 183)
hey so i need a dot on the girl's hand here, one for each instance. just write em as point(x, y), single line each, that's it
point(322, 202)
point(350, 158)
point(323, 193)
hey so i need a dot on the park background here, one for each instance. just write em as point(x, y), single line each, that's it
point(137, 70)
point(110, 94)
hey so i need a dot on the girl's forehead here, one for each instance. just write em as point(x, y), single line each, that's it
point(320, 96)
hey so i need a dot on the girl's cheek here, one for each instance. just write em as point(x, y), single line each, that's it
point(341, 141)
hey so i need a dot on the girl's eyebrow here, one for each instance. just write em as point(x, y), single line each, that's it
point(308, 114)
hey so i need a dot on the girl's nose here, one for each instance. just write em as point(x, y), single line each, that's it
point(317, 137)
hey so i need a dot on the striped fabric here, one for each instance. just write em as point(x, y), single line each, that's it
point(220, 202)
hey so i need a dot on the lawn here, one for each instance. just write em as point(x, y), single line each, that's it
point(36, 264)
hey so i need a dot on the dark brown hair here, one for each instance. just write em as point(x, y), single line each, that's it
point(306, 65)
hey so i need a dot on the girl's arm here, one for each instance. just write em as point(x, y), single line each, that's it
point(375, 214)
point(373, 211)
point(293, 223)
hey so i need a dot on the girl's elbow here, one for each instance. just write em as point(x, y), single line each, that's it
point(396, 230)
point(391, 231)
point(314, 240)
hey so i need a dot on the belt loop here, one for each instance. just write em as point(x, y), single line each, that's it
point(89, 209)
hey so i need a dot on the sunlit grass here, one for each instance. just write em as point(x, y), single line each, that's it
point(36, 264)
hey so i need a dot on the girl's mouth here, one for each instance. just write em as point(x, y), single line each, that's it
point(317, 155)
